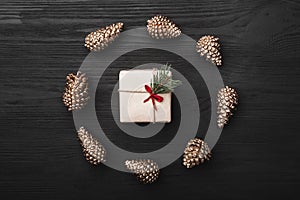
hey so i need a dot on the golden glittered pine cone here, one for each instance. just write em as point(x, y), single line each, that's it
point(195, 153)
point(227, 101)
point(146, 170)
point(93, 151)
point(101, 38)
point(76, 96)
point(160, 27)
point(209, 46)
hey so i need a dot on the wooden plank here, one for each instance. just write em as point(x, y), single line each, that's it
point(257, 155)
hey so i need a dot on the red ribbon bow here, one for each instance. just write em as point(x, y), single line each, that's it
point(153, 97)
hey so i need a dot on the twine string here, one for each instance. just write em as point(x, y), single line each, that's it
point(136, 91)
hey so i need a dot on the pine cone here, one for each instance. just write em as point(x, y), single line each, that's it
point(160, 27)
point(93, 151)
point(195, 153)
point(227, 102)
point(100, 39)
point(76, 96)
point(147, 171)
point(209, 46)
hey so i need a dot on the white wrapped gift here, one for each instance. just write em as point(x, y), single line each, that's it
point(132, 94)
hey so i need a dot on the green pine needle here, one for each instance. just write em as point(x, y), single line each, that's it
point(162, 82)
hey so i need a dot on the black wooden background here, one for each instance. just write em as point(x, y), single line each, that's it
point(257, 155)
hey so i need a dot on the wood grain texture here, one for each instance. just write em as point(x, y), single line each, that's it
point(257, 156)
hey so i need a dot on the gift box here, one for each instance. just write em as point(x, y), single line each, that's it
point(137, 103)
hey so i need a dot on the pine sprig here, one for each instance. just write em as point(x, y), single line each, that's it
point(162, 82)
